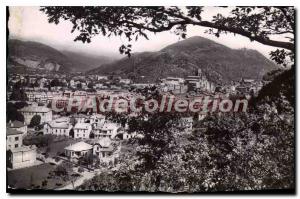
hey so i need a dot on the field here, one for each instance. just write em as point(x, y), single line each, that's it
point(33, 177)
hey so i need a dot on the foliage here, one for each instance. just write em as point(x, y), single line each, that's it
point(18, 94)
point(39, 141)
point(80, 169)
point(35, 121)
point(20, 104)
point(12, 113)
point(237, 151)
point(256, 23)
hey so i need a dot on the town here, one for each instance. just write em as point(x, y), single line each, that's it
point(44, 144)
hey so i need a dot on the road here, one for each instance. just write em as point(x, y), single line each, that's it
point(86, 175)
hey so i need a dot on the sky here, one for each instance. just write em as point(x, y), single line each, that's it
point(30, 24)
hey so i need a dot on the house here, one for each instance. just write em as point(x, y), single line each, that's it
point(17, 125)
point(13, 138)
point(18, 156)
point(79, 149)
point(30, 111)
point(105, 151)
point(24, 156)
point(59, 127)
point(187, 123)
point(81, 118)
point(125, 81)
point(123, 133)
point(82, 130)
point(174, 84)
point(97, 119)
point(108, 129)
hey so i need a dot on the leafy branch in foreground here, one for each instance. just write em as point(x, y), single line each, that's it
point(272, 26)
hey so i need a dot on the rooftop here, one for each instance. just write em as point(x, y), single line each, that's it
point(23, 148)
point(37, 109)
point(79, 146)
point(82, 126)
point(61, 125)
point(10, 131)
point(15, 124)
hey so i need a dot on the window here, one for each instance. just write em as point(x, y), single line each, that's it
point(16, 138)
point(16, 145)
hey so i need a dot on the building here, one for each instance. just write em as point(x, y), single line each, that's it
point(30, 111)
point(174, 84)
point(13, 138)
point(79, 149)
point(108, 129)
point(125, 81)
point(18, 156)
point(81, 118)
point(187, 124)
point(17, 125)
point(82, 130)
point(24, 156)
point(97, 119)
point(199, 83)
point(59, 127)
point(105, 151)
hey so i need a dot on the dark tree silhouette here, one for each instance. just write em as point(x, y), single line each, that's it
point(256, 23)
point(35, 121)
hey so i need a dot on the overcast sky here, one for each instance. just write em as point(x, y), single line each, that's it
point(28, 23)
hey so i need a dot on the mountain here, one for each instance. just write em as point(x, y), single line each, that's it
point(88, 61)
point(35, 55)
point(219, 63)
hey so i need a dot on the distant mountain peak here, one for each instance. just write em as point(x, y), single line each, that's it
point(36, 55)
point(219, 63)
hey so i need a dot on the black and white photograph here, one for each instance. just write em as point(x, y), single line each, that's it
point(150, 99)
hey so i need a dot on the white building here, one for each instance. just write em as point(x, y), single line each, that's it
point(59, 127)
point(97, 119)
point(108, 129)
point(173, 84)
point(30, 111)
point(18, 156)
point(105, 151)
point(82, 130)
point(79, 149)
point(17, 125)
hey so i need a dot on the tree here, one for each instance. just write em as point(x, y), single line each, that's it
point(256, 23)
point(55, 82)
point(90, 85)
point(44, 183)
point(92, 135)
point(18, 94)
point(79, 86)
point(71, 133)
point(20, 104)
point(12, 113)
point(35, 121)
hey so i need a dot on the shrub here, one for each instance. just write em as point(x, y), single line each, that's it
point(80, 170)
point(35, 121)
